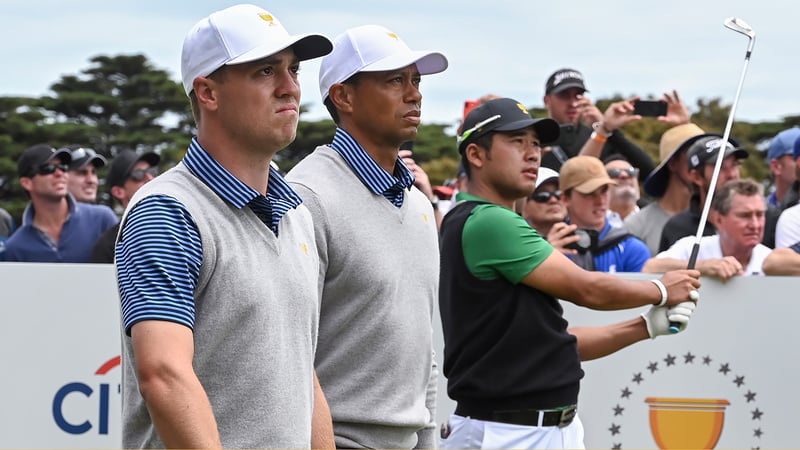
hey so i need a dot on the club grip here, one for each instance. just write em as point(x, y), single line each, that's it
point(674, 327)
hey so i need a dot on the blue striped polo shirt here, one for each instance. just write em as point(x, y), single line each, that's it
point(158, 261)
point(378, 180)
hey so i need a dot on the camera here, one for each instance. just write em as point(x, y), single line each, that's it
point(587, 240)
point(650, 108)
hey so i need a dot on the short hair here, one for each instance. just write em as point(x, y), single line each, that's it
point(218, 76)
point(484, 141)
point(743, 186)
point(329, 103)
point(615, 157)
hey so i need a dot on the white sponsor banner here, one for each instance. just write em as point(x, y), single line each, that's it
point(731, 375)
point(60, 356)
point(729, 380)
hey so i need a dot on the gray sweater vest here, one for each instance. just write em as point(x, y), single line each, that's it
point(256, 318)
point(380, 269)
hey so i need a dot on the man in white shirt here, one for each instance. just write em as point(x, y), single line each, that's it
point(737, 213)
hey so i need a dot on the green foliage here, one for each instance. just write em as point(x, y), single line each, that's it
point(118, 102)
point(122, 101)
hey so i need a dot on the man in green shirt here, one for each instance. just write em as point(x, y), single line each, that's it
point(512, 365)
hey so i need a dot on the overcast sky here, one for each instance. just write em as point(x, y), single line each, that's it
point(506, 47)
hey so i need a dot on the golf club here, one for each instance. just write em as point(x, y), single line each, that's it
point(739, 26)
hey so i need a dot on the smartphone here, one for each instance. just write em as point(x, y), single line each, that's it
point(650, 108)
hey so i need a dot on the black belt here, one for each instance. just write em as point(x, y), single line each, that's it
point(530, 417)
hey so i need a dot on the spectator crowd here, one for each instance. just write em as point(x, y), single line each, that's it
point(269, 309)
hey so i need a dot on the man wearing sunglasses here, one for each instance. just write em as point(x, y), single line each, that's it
point(545, 213)
point(129, 171)
point(83, 180)
point(55, 227)
point(513, 366)
point(624, 196)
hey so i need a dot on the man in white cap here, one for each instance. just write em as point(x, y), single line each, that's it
point(378, 244)
point(216, 263)
point(545, 213)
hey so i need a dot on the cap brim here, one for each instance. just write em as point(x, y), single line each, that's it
point(547, 130)
point(97, 161)
point(739, 153)
point(565, 86)
point(305, 46)
point(61, 154)
point(151, 158)
point(587, 187)
point(655, 185)
point(427, 62)
point(545, 180)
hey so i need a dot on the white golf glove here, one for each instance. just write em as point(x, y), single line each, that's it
point(658, 318)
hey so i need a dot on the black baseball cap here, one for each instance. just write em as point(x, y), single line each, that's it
point(504, 114)
point(35, 156)
point(563, 79)
point(123, 163)
point(705, 148)
point(82, 156)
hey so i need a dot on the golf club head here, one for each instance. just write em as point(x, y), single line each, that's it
point(740, 26)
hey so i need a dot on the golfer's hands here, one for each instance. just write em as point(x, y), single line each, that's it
point(659, 318)
point(681, 285)
point(724, 268)
point(561, 235)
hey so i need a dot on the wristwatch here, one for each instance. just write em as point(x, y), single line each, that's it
point(601, 130)
point(435, 203)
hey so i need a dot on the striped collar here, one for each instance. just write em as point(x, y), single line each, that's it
point(377, 180)
point(279, 199)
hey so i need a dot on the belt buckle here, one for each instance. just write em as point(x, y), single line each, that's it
point(567, 415)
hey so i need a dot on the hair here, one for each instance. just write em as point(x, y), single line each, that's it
point(615, 157)
point(743, 186)
point(329, 103)
point(483, 141)
point(218, 76)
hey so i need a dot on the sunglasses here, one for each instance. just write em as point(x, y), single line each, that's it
point(140, 174)
point(544, 196)
point(48, 169)
point(465, 135)
point(633, 172)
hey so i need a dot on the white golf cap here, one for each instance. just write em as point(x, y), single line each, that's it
point(545, 174)
point(372, 48)
point(240, 34)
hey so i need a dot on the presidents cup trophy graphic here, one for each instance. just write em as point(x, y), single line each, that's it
point(679, 423)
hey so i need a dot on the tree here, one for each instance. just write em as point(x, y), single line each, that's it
point(123, 102)
point(118, 102)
